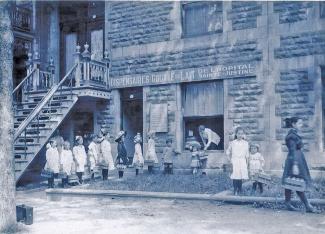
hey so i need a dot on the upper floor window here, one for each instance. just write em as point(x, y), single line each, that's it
point(322, 9)
point(201, 18)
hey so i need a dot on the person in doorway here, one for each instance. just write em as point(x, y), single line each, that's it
point(255, 165)
point(66, 162)
point(238, 151)
point(106, 153)
point(52, 162)
point(295, 164)
point(80, 157)
point(209, 138)
point(92, 154)
point(138, 160)
point(121, 159)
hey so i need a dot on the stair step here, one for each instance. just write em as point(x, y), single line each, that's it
point(22, 155)
point(45, 110)
point(56, 98)
point(30, 139)
point(32, 105)
point(40, 124)
point(21, 161)
point(42, 118)
point(22, 147)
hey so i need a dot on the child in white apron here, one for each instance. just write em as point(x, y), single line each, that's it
point(80, 157)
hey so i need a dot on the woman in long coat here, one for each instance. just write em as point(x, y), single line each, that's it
point(296, 157)
point(121, 159)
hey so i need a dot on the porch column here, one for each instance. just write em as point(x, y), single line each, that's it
point(54, 38)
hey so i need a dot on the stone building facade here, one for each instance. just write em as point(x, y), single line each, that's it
point(273, 53)
point(177, 65)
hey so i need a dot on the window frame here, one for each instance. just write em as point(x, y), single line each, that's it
point(205, 117)
point(195, 4)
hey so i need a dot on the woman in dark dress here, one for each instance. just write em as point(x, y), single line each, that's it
point(296, 157)
point(121, 159)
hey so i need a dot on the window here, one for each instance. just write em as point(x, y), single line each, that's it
point(323, 103)
point(322, 9)
point(200, 18)
point(203, 105)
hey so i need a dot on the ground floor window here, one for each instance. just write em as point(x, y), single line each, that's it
point(203, 106)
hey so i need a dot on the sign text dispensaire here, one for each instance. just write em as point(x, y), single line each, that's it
point(186, 75)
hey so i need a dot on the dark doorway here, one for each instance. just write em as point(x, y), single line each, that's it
point(132, 116)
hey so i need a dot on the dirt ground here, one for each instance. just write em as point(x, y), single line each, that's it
point(123, 215)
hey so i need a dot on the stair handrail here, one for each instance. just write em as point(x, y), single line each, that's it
point(41, 104)
point(23, 81)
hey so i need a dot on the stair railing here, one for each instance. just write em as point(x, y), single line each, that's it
point(66, 83)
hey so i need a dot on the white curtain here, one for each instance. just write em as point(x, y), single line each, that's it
point(203, 99)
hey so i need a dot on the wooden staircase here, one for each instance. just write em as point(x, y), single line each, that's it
point(41, 105)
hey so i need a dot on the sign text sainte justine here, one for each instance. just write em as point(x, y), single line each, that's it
point(186, 75)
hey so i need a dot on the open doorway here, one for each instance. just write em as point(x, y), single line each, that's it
point(132, 116)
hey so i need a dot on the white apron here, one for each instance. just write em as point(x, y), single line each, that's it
point(80, 156)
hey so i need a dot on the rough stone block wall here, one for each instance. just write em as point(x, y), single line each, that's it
point(105, 117)
point(290, 12)
point(241, 51)
point(158, 95)
point(134, 23)
point(246, 108)
point(302, 44)
point(243, 15)
point(295, 89)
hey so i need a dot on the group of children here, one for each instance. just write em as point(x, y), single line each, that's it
point(60, 159)
point(246, 161)
point(151, 158)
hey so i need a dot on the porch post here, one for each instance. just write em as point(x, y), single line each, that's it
point(86, 68)
point(54, 38)
point(78, 62)
point(36, 75)
point(107, 61)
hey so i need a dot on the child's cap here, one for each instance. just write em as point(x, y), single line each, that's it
point(195, 144)
point(78, 138)
point(254, 145)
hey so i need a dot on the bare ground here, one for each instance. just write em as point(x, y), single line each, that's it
point(122, 215)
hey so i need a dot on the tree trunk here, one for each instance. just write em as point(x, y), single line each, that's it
point(7, 176)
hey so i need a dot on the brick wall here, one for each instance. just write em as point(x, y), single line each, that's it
point(295, 89)
point(134, 23)
point(301, 44)
point(243, 15)
point(290, 12)
point(242, 51)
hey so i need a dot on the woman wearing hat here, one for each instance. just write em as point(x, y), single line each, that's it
point(138, 158)
point(80, 157)
point(121, 159)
